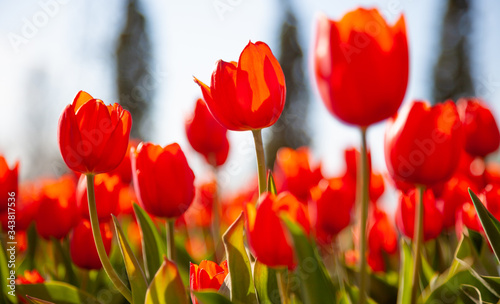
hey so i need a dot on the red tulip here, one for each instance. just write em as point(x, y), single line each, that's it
point(330, 208)
point(107, 193)
point(293, 172)
point(405, 215)
point(492, 199)
point(126, 199)
point(163, 180)
point(93, 137)
point(249, 94)
point(57, 212)
point(8, 184)
point(208, 275)
point(423, 144)
point(233, 204)
point(267, 238)
point(124, 169)
point(82, 246)
point(27, 202)
point(382, 236)
point(377, 186)
point(453, 196)
point(30, 277)
point(482, 136)
point(200, 212)
point(467, 216)
point(206, 135)
point(361, 66)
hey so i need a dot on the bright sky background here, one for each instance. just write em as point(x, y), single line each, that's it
point(73, 49)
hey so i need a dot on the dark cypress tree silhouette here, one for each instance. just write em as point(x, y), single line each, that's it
point(291, 129)
point(452, 76)
point(133, 56)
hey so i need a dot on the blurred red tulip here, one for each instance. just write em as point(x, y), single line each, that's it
point(30, 277)
point(57, 212)
point(492, 199)
point(454, 195)
point(27, 202)
point(376, 261)
point(492, 173)
point(82, 246)
point(330, 208)
point(124, 169)
point(207, 136)
point(93, 138)
point(293, 172)
point(163, 180)
point(377, 185)
point(482, 136)
point(423, 143)
point(232, 205)
point(199, 213)
point(405, 215)
point(107, 193)
point(266, 236)
point(361, 66)
point(382, 235)
point(208, 275)
point(249, 94)
point(8, 184)
point(467, 217)
point(126, 199)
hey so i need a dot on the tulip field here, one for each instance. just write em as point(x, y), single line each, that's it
point(130, 223)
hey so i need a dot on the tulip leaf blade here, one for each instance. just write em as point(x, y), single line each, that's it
point(266, 283)
point(490, 224)
point(316, 287)
point(166, 286)
point(242, 288)
point(136, 276)
point(460, 274)
point(4, 273)
point(34, 300)
point(405, 274)
point(153, 248)
point(211, 297)
point(271, 185)
point(56, 292)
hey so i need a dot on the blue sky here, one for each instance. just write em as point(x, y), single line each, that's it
point(72, 47)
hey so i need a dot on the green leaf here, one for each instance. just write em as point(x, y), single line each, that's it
point(271, 186)
point(490, 224)
point(153, 248)
point(315, 284)
point(472, 294)
point(166, 286)
point(136, 277)
point(5, 274)
point(266, 284)
point(353, 292)
point(405, 274)
point(57, 292)
point(452, 288)
point(242, 288)
point(211, 297)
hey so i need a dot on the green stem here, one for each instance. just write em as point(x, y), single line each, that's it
point(282, 285)
point(417, 242)
point(261, 160)
point(96, 231)
point(170, 239)
point(337, 263)
point(216, 218)
point(365, 187)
